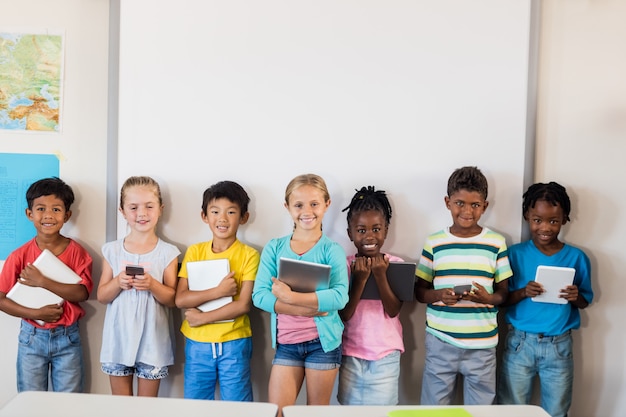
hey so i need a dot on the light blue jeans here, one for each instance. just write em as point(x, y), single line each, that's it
point(363, 382)
point(49, 355)
point(444, 362)
point(228, 363)
point(527, 355)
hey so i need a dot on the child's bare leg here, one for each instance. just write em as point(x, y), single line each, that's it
point(148, 387)
point(121, 385)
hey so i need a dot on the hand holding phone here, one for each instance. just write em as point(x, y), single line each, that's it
point(133, 270)
point(461, 289)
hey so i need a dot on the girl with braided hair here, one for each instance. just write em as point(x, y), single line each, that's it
point(372, 338)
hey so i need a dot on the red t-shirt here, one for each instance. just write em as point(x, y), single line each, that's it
point(74, 256)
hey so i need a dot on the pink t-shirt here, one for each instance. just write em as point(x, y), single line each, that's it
point(370, 333)
point(295, 329)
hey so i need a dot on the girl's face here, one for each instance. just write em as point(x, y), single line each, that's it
point(368, 231)
point(307, 207)
point(141, 208)
point(545, 221)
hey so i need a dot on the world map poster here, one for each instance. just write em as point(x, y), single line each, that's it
point(31, 76)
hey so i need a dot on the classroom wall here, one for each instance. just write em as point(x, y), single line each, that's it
point(581, 143)
point(580, 130)
point(81, 147)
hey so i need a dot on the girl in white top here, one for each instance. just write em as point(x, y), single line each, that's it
point(138, 335)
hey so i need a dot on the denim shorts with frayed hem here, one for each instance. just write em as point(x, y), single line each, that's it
point(142, 370)
point(307, 355)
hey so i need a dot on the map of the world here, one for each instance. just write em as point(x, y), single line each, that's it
point(31, 74)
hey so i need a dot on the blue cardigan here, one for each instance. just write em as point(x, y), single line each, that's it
point(330, 300)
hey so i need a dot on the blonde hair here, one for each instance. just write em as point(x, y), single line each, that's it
point(140, 181)
point(307, 179)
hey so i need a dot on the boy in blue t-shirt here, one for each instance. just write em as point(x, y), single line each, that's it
point(461, 326)
point(539, 342)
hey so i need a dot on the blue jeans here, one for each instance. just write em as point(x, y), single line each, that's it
point(227, 363)
point(49, 356)
point(527, 355)
point(363, 382)
point(444, 362)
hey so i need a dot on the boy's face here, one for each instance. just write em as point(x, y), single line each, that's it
point(368, 231)
point(466, 208)
point(545, 221)
point(224, 217)
point(48, 215)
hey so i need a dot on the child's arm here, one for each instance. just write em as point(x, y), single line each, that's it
point(110, 287)
point(286, 297)
point(230, 311)
point(532, 289)
point(391, 303)
point(571, 294)
point(164, 292)
point(425, 293)
point(360, 270)
point(185, 298)
point(50, 313)
point(74, 293)
point(480, 294)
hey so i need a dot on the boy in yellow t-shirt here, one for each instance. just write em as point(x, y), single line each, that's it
point(218, 343)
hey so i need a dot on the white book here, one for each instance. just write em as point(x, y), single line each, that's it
point(37, 297)
point(204, 275)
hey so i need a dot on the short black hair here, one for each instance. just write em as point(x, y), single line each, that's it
point(368, 198)
point(468, 178)
point(226, 189)
point(50, 186)
point(552, 192)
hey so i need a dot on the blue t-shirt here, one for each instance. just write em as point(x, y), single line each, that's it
point(547, 318)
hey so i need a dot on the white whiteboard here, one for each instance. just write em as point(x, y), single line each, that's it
point(394, 94)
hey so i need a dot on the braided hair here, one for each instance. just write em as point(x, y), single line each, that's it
point(368, 198)
point(552, 192)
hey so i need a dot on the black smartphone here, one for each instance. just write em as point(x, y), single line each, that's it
point(134, 270)
point(460, 289)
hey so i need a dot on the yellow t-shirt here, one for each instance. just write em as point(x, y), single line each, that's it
point(244, 260)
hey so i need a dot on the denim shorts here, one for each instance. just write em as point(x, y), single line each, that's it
point(141, 369)
point(307, 355)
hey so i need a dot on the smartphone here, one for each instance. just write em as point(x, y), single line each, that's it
point(134, 270)
point(460, 289)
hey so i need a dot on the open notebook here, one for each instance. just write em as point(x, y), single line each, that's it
point(37, 297)
point(204, 275)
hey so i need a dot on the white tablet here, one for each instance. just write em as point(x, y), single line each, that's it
point(553, 279)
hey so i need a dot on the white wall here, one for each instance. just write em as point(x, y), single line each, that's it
point(81, 146)
point(581, 143)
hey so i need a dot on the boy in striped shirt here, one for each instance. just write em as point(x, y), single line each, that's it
point(461, 326)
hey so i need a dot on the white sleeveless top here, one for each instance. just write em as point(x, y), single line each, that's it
point(137, 328)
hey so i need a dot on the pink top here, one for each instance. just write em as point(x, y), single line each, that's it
point(370, 333)
point(296, 329)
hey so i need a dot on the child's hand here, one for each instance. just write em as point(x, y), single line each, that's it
point(194, 317)
point(533, 289)
point(478, 294)
point(50, 313)
point(361, 268)
point(281, 290)
point(448, 297)
point(228, 286)
point(125, 281)
point(31, 276)
point(570, 293)
point(142, 282)
point(379, 264)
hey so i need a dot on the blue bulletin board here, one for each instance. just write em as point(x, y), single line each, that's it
point(17, 173)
